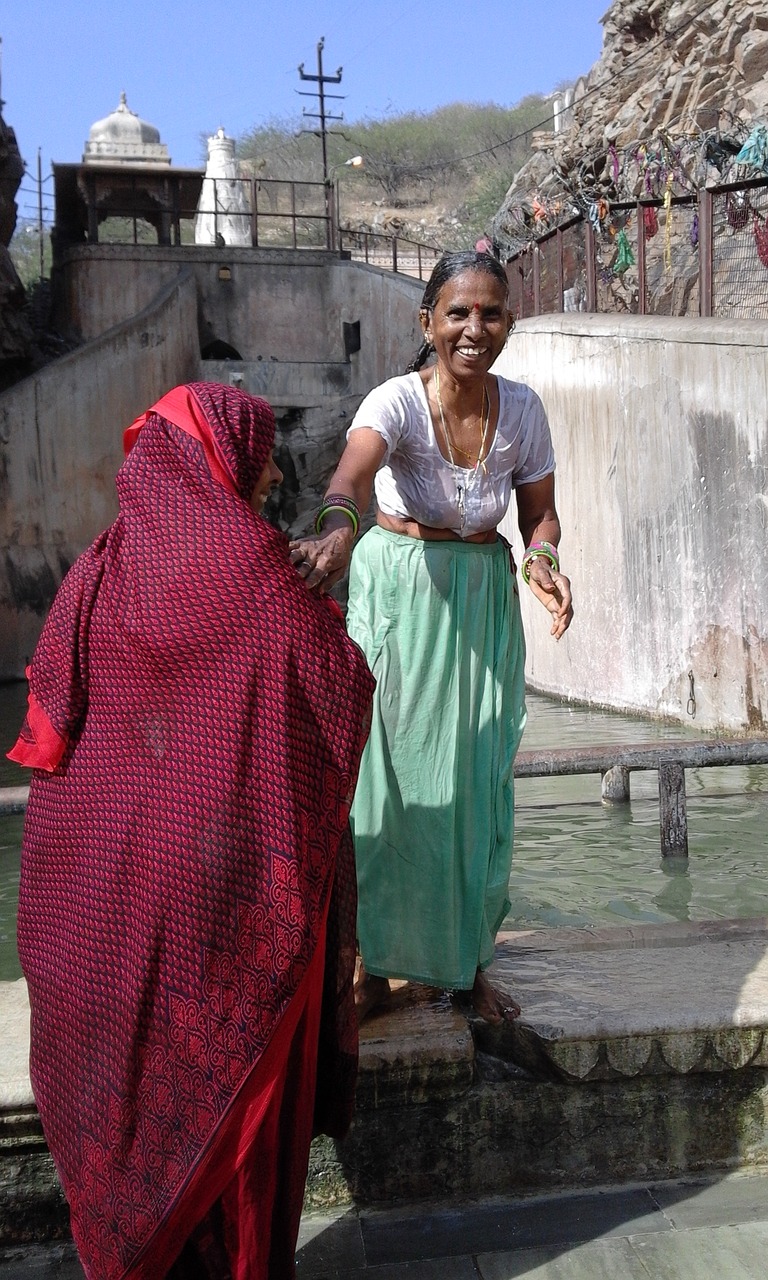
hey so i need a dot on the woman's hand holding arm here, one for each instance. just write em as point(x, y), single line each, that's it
point(323, 560)
point(538, 522)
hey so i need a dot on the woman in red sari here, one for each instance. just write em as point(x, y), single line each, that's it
point(187, 906)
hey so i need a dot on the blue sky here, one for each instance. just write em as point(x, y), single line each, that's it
point(188, 67)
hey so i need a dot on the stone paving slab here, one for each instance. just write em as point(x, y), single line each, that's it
point(610, 1234)
point(731, 1201)
point(504, 1224)
point(598, 1260)
point(719, 1253)
point(610, 1230)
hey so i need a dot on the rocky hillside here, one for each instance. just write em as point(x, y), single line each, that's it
point(680, 76)
point(15, 330)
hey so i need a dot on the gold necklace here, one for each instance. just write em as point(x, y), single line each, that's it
point(485, 417)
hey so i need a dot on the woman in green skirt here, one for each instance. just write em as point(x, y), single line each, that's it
point(433, 604)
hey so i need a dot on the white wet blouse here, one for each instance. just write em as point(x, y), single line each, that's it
point(415, 481)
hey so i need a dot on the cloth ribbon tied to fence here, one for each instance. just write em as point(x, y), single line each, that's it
point(737, 209)
point(668, 225)
point(760, 233)
point(624, 255)
point(755, 149)
point(650, 221)
point(540, 211)
point(598, 212)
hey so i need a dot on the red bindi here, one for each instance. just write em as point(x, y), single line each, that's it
point(475, 306)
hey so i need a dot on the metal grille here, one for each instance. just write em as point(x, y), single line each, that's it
point(672, 263)
point(520, 274)
point(574, 269)
point(549, 289)
point(617, 289)
point(661, 269)
point(739, 276)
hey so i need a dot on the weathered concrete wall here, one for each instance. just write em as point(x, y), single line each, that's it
point(61, 446)
point(61, 430)
point(274, 305)
point(660, 432)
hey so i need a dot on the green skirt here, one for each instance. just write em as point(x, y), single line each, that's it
point(433, 816)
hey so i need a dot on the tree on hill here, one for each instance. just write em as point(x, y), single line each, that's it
point(462, 155)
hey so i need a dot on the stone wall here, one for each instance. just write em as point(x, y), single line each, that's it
point(659, 428)
point(61, 446)
point(268, 305)
point(285, 313)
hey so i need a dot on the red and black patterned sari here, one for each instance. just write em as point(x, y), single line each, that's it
point(186, 921)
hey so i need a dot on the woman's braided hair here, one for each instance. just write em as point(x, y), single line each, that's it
point(450, 265)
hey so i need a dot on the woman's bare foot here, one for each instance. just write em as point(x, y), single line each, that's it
point(370, 992)
point(491, 1004)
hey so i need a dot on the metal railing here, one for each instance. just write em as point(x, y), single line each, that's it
point(615, 762)
point(252, 212)
point(180, 210)
point(394, 253)
point(704, 254)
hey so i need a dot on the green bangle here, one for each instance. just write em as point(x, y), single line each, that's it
point(336, 506)
point(535, 553)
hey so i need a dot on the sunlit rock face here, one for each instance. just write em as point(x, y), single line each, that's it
point(674, 65)
point(15, 330)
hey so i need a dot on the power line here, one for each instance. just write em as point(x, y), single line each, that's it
point(506, 142)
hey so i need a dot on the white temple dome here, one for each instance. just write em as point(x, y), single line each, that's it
point(123, 137)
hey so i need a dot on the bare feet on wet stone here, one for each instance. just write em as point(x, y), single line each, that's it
point(493, 1006)
point(370, 992)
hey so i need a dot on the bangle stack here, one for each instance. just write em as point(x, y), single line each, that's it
point(338, 502)
point(545, 550)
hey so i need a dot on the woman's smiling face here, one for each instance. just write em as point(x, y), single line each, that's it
point(270, 476)
point(469, 323)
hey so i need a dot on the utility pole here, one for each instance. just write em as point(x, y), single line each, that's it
point(40, 226)
point(321, 81)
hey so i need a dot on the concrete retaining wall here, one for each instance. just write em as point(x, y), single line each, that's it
point(61, 446)
point(660, 432)
point(270, 305)
point(146, 313)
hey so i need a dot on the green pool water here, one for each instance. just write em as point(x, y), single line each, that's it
point(577, 862)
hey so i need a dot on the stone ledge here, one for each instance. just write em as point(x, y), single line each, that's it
point(419, 1049)
point(13, 800)
point(597, 1005)
point(658, 1000)
point(15, 1088)
point(640, 1053)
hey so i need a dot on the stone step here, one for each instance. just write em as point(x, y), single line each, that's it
point(640, 1053)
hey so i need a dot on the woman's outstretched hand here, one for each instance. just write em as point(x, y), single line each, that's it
point(553, 589)
point(322, 561)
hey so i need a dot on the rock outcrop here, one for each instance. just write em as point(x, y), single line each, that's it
point(15, 330)
point(683, 71)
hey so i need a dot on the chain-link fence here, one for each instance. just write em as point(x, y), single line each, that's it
point(740, 252)
point(680, 257)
